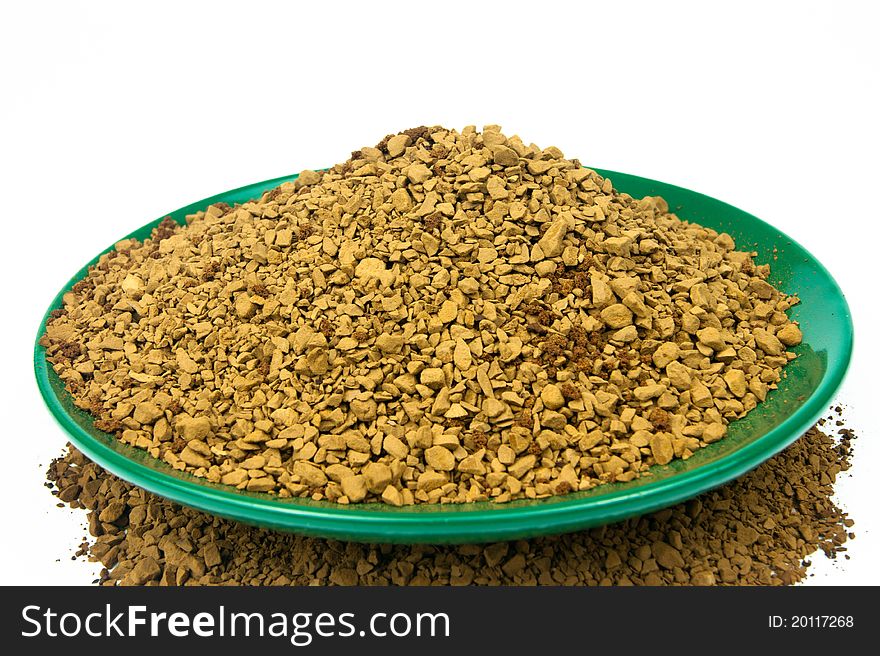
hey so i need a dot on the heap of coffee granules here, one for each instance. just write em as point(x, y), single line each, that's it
point(446, 317)
point(756, 530)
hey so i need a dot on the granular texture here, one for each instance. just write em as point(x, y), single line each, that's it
point(756, 530)
point(447, 317)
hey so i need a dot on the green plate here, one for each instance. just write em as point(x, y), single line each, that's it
point(806, 391)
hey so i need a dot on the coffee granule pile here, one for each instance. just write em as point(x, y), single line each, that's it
point(759, 529)
point(446, 317)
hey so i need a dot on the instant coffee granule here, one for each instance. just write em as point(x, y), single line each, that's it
point(759, 529)
point(446, 317)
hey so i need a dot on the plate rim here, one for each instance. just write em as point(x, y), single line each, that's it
point(452, 523)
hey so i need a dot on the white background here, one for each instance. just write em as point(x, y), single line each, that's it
point(113, 114)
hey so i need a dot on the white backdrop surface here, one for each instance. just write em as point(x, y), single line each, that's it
point(112, 114)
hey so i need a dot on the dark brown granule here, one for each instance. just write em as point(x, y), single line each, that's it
point(554, 347)
point(306, 231)
point(69, 350)
point(418, 133)
point(578, 336)
point(260, 290)
point(382, 146)
point(84, 286)
point(480, 439)
point(579, 355)
point(165, 229)
point(433, 221)
point(563, 285)
point(326, 329)
point(582, 282)
point(525, 419)
point(761, 529)
point(660, 418)
point(543, 314)
point(211, 271)
point(562, 487)
point(413, 133)
point(108, 425)
point(569, 392)
point(535, 327)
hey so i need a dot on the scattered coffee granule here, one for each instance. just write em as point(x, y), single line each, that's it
point(760, 529)
point(447, 317)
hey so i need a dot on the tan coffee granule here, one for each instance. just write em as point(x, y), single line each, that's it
point(446, 317)
point(758, 530)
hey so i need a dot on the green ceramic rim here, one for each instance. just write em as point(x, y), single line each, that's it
point(805, 393)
